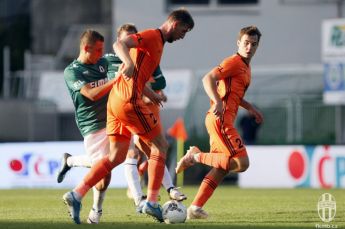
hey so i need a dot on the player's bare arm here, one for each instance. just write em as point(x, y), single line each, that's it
point(95, 93)
point(121, 48)
point(164, 97)
point(259, 118)
point(153, 96)
point(210, 85)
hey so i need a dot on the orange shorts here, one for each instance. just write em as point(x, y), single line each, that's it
point(155, 109)
point(125, 119)
point(224, 138)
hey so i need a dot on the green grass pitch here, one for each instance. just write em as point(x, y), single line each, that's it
point(229, 207)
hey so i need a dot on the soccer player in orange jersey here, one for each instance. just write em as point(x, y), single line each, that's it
point(225, 85)
point(127, 113)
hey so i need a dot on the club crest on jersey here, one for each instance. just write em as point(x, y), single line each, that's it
point(101, 69)
point(220, 69)
point(139, 37)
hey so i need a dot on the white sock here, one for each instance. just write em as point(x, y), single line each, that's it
point(194, 207)
point(133, 179)
point(79, 161)
point(98, 198)
point(167, 181)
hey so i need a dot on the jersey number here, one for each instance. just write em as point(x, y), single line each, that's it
point(239, 143)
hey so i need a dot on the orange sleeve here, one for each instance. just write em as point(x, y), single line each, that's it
point(227, 68)
point(143, 38)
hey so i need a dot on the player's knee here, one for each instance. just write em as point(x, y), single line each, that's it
point(133, 153)
point(160, 143)
point(157, 153)
point(223, 172)
point(243, 165)
point(104, 183)
point(165, 145)
point(117, 159)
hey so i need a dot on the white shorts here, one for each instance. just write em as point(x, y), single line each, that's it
point(97, 145)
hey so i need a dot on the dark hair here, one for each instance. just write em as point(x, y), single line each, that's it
point(183, 16)
point(90, 37)
point(250, 31)
point(128, 27)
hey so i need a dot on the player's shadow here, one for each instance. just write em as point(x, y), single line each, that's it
point(131, 225)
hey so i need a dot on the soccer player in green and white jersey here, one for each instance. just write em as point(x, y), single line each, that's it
point(88, 84)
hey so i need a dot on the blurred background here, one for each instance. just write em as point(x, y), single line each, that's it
point(298, 79)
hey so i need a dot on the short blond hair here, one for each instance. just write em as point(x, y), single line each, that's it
point(90, 37)
point(127, 27)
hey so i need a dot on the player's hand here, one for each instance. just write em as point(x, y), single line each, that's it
point(218, 109)
point(157, 99)
point(164, 97)
point(146, 100)
point(127, 71)
point(259, 118)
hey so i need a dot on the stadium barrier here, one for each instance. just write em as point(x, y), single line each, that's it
point(35, 165)
point(295, 166)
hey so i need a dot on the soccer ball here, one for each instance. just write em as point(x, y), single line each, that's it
point(174, 212)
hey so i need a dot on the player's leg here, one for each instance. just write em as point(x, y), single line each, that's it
point(140, 120)
point(133, 178)
point(167, 182)
point(144, 152)
point(118, 151)
point(142, 168)
point(159, 147)
point(119, 138)
point(68, 161)
point(228, 151)
point(206, 189)
point(173, 192)
point(237, 162)
point(211, 181)
point(188, 159)
point(99, 191)
point(97, 147)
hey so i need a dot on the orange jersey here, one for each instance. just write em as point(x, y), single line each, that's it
point(146, 57)
point(234, 78)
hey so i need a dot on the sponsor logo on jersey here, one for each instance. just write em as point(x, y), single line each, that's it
point(98, 83)
point(220, 69)
point(139, 38)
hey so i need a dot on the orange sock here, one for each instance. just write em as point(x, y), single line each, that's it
point(207, 187)
point(155, 171)
point(216, 160)
point(96, 173)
